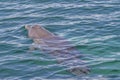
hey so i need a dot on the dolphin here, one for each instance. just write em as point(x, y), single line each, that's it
point(60, 48)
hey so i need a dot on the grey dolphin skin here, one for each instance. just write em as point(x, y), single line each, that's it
point(58, 47)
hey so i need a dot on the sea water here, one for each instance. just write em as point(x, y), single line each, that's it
point(93, 27)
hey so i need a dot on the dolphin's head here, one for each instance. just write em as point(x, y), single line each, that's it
point(29, 27)
point(37, 32)
point(33, 31)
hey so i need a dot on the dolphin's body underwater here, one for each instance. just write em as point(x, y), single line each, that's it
point(61, 49)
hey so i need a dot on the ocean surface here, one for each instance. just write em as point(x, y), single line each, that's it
point(93, 26)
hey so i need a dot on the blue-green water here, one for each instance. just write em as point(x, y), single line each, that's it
point(93, 26)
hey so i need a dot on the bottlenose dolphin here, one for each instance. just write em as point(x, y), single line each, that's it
point(61, 49)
